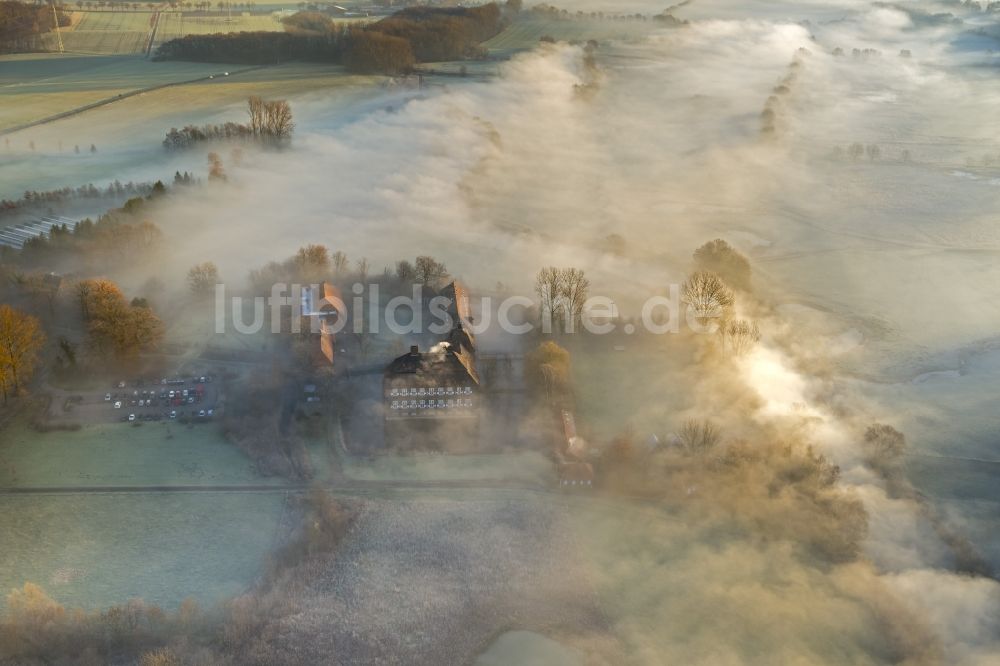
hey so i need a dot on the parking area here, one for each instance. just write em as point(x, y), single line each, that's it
point(187, 399)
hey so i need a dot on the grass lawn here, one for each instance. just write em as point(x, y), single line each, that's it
point(95, 550)
point(119, 454)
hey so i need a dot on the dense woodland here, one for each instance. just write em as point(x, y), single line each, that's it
point(118, 237)
point(22, 24)
point(390, 46)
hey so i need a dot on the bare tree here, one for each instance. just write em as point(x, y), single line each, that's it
point(708, 296)
point(255, 108)
point(278, 119)
point(339, 262)
point(549, 287)
point(698, 437)
point(574, 293)
point(363, 269)
point(741, 335)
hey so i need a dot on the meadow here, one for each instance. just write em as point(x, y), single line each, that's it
point(120, 454)
point(526, 30)
point(95, 550)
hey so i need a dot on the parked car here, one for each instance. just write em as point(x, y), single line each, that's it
point(131, 417)
point(118, 404)
point(173, 414)
point(107, 397)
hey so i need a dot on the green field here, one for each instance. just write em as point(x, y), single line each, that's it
point(95, 550)
point(36, 86)
point(525, 32)
point(112, 33)
point(119, 454)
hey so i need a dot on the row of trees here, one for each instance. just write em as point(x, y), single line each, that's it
point(316, 263)
point(89, 191)
point(270, 122)
point(562, 293)
point(390, 46)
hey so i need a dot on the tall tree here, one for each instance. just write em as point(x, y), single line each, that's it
point(312, 262)
point(707, 296)
point(549, 287)
point(21, 338)
point(203, 278)
point(430, 271)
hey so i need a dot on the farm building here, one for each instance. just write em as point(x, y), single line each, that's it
point(433, 397)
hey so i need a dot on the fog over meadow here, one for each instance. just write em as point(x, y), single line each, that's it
point(879, 278)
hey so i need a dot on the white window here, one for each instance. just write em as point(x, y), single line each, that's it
point(423, 403)
point(393, 392)
point(395, 404)
point(440, 403)
point(451, 390)
point(421, 391)
point(468, 389)
point(468, 402)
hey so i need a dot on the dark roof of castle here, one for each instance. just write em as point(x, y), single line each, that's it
point(443, 358)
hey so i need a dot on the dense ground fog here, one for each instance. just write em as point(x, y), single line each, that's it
point(881, 266)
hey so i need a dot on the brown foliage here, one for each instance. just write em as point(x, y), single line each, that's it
point(117, 328)
point(21, 338)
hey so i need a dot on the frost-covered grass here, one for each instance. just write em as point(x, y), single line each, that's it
point(96, 550)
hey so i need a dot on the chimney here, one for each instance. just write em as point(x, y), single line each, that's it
point(414, 350)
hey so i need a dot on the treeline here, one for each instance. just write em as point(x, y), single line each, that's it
point(270, 121)
point(89, 191)
point(22, 25)
point(390, 46)
point(256, 48)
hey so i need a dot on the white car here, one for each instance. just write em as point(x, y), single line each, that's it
point(131, 417)
point(107, 397)
point(118, 404)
